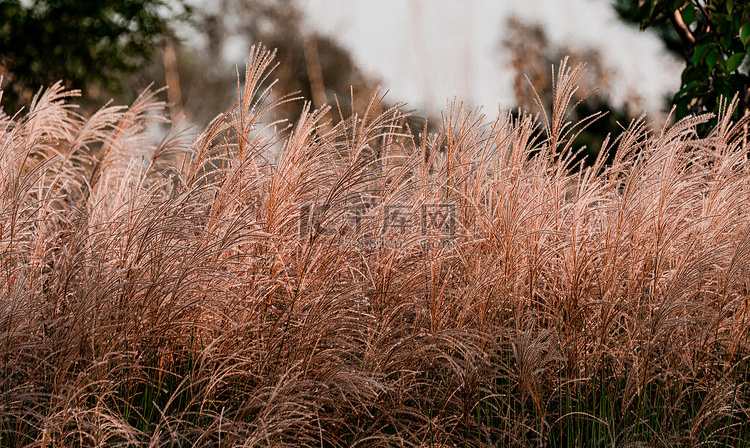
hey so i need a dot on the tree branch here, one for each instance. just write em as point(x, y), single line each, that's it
point(683, 30)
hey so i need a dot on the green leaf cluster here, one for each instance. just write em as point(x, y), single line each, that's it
point(713, 38)
point(83, 42)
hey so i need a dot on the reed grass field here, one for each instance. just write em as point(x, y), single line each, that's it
point(357, 283)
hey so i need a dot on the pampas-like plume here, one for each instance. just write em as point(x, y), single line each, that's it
point(342, 285)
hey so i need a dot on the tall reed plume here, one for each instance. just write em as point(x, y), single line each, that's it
point(349, 284)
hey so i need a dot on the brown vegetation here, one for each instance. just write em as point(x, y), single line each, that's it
point(163, 295)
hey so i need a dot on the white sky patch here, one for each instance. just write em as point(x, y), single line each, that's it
point(234, 50)
point(428, 51)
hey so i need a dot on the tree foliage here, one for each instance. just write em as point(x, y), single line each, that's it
point(532, 57)
point(713, 38)
point(84, 43)
point(314, 67)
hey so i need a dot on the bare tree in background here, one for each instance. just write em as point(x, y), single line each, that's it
point(205, 83)
point(532, 57)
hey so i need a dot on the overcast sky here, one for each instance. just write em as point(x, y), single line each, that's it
point(426, 51)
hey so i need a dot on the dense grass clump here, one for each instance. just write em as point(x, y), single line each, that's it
point(348, 284)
